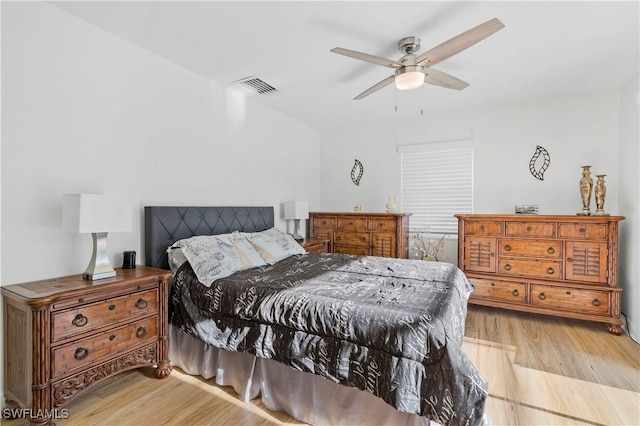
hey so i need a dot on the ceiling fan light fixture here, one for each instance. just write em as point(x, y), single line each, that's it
point(409, 77)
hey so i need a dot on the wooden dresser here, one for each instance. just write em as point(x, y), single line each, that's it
point(371, 234)
point(64, 335)
point(556, 265)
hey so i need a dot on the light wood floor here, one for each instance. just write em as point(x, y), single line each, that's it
point(541, 371)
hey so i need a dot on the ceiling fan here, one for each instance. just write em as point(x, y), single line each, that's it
point(412, 70)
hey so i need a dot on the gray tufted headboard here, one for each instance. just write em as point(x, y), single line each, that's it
point(164, 225)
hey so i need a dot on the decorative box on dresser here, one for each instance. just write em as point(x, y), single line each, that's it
point(64, 335)
point(372, 234)
point(555, 265)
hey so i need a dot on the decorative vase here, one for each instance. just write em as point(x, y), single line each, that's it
point(430, 258)
point(586, 185)
point(601, 192)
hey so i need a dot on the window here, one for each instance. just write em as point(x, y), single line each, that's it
point(437, 182)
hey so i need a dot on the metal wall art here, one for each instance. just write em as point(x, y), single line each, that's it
point(356, 172)
point(538, 173)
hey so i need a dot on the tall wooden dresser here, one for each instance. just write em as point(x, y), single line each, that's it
point(64, 335)
point(555, 265)
point(371, 234)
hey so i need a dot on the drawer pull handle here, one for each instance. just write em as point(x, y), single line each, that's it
point(338, 237)
point(568, 293)
point(112, 337)
point(542, 296)
point(141, 332)
point(81, 353)
point(112, 307)
point(482, 228)
point(515, 292)
point(550, 270)
point(582, 230)
point(380, 224)
point(363, 239)
point(493, 284)
point(507, 267)
point(80, 320)
point(596, 302)
point(551, 250)
point(529, 229)
point(570, 260)
point(141, 304)
point(491, 254)
point(507, 247)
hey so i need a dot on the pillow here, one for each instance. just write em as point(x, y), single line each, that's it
point(274, 245)
point(217, 256)
point(175, 257)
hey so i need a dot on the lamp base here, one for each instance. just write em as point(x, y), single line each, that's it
point(99, 266)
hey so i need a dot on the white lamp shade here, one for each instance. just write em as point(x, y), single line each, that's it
point(89, 213)
point(409, 80)
point(296, 210)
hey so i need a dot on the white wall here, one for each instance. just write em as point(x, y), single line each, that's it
point(629, 204)
point(84, 111)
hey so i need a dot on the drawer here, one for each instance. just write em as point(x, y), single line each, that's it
point(324, 222)
point(356, 250)
point(382, 225)
point(507, 291)
point(532, 248)
point(81, 353)
point(323, 234)
point(530, 229)
point(483, 228)
point(355, 238)
point(571, 299)
point(583, 230)
point(546, 269)
point(85, 318)
point(352, 223)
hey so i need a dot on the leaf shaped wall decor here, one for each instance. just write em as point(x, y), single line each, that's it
point(356, 172)
point(539, 173)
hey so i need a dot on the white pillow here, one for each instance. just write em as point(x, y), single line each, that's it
point(274, 245)
point(217, 256)
point(176, 258)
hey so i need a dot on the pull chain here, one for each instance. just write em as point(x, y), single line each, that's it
point(421, 101)
point(396, 92)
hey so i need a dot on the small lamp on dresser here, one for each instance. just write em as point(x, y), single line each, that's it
point(98, 215)
point(296, 210)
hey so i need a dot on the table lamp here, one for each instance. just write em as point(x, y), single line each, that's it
point(296, 210)
point(98, 215)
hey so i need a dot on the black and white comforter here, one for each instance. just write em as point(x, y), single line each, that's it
point(391, 327)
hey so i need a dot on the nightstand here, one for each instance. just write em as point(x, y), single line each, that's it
point(315, 245)
point(64, 335)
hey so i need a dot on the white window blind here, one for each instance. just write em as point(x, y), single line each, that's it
point(437, 182)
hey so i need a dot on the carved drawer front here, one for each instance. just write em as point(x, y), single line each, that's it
point(529, 229)
point(583, 230)
point(499, 290)
point(586, 261)
point(535, 268)
point(571, 299)
point(323, 234)
point(82, 352)
point(479, 254)
point(532, 248)
point(382, 225)
point(352, 223)
point(483, 228)
point(383, 244)
point(357, 238)
point(357, 250)
point(324, 222)
point(92, 316)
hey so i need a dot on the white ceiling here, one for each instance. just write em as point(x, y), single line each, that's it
point(546, 49)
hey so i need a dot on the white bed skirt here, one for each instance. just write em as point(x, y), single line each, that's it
point(304, 396)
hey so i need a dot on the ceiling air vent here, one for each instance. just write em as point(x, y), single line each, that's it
point(255, 85)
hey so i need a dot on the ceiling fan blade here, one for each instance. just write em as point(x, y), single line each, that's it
point(375, 87)
point(442, 79)
point(459, 43)
point(366, 57)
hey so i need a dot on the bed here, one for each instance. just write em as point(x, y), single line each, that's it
point(326, 338)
